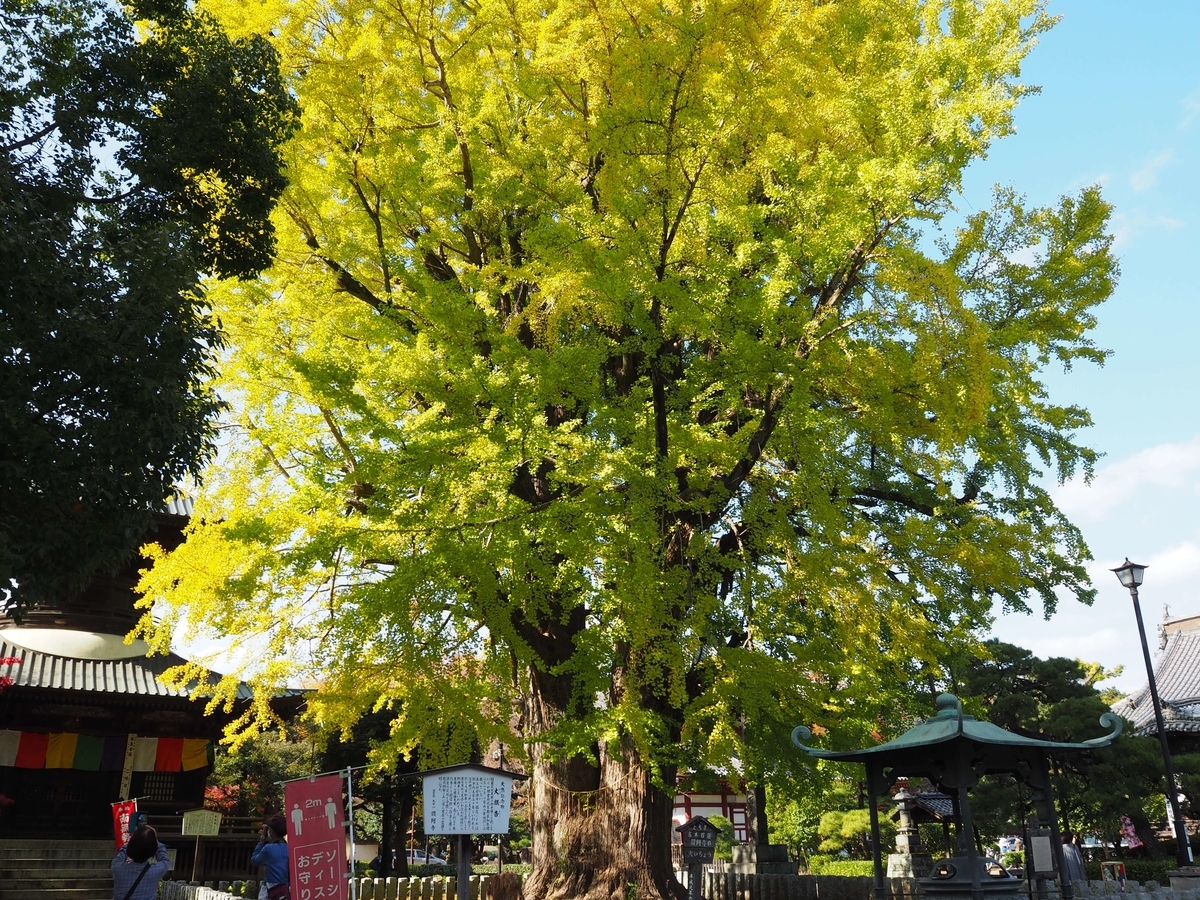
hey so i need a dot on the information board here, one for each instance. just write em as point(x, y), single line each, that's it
point(697, 853)
point(1043, 852)
point(468, 801)
point(201, 822)
point(699, 839)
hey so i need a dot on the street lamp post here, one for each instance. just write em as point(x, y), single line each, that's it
point(1130, 575)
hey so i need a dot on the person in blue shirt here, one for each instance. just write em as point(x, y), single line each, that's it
point(139, 866)
point(271, 851)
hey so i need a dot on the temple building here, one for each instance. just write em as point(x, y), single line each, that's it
point(1177, 674)
point(86, 719)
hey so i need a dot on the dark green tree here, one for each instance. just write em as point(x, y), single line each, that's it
point(1057, 699)
point(130, 167)
point(389, 796)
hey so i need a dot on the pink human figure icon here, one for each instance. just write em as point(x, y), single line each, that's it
point(330, 813)
point(297, 819)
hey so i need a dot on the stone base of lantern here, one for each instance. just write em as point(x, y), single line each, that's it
point(762, 859)
point(909, 865)
point(1185, 878)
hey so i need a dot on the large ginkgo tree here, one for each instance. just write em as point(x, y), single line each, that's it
point(613, 393)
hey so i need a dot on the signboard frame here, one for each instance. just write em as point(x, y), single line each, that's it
point(1040, 858)
point(201, 822)
point(698, 842)
point(698, 838)
point(491, 810)
point(467, 800)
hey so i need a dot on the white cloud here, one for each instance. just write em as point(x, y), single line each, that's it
point(1074, 644)
point(1126, 227)
point(1173, 566)
point(1147, 176)
point(1174, 466)
point(1179, 564)
point(1191, 109)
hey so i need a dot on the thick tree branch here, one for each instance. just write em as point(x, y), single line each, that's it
point(30, 139)
point(373, 213)
point(340, 440)
point(897, 497)
point(474, 253)
point(346, 281)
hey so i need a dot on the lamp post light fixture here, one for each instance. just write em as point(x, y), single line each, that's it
point(1130, 575)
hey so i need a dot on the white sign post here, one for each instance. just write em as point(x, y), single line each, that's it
point(206, 822)
point(469, 800)
point(466, 800)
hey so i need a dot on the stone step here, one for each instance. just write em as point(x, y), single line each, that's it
point(61, 871)
point(62, 851)
point(43, 893)
point(65, 880)
point(43, 842)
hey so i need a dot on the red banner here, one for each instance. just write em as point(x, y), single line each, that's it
point(316, 838)
point(122, 812)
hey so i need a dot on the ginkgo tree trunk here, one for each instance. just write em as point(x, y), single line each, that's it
point(613, 387)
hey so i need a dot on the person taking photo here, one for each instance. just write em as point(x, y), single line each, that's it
point(272, 852)
point(139, 866)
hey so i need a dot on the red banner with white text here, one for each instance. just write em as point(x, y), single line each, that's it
point(122, 812)
point(316, 838)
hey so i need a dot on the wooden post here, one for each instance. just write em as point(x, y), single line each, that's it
point(464, 867)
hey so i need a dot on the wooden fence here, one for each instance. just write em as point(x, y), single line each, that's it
point(433, 887)
point(716, 886)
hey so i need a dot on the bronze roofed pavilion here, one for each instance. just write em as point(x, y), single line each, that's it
point(954, 751)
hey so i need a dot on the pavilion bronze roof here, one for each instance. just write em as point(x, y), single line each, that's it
point(950, 724)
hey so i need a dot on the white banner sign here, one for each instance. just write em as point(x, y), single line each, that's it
point(467, 802)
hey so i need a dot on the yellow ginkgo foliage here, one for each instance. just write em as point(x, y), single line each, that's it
point(611, 391)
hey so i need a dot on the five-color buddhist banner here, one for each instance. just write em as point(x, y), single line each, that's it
point(32, 750)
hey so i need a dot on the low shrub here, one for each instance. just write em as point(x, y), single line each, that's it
point(448, 870)
point(1013, 859)
point(490, 868)
point(819, 864)
point(424, 870)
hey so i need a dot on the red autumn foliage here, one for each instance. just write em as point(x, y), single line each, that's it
point(5, 680)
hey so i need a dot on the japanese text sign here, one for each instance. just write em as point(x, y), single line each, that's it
point(316, 838)
point(201, 821)
point(122, 812)
point(699, 839)
point(467, 800)
point(1043, 852)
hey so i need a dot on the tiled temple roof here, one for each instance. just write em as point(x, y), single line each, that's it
point(1177, 672)
point(136, 675)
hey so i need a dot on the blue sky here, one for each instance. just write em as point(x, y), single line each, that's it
point(1120, 107)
